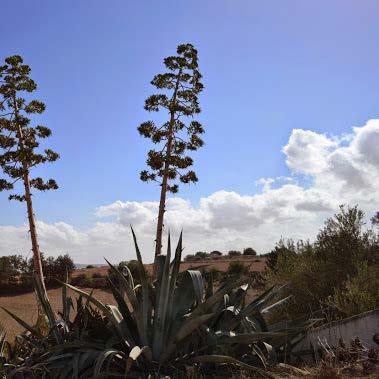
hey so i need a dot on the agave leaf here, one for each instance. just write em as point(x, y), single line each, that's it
point(161, 304)
point(209, 290)
point(106, 354)
point(75, 366)
point(259, 303)
point(44, 301)
point(133, 356)
point(91, 299)
point(224, 359)
point(129, 275)
point(207, 304)
point(126, 287)
point(145, 293)
point(279, 303)
point(184, 298)
point(198, 285)
point(66, 301)
point(110, 311)
point(188, 327)
point(125, 312)
point(24, 324)
point(270, 352)
point(171, 290)
point(248, 338)
point(255, 307)
point(238, 297)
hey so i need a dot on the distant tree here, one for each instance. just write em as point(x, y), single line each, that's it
point(19, 142)
point(234, 253)
point(249, 251)
point(189, 258)
point(216, 252)
point(12, 266)
point(54, 268)
point(375, 219)
point(64, 263)
point(181, 86)
point(90, 266)
point(201, 254)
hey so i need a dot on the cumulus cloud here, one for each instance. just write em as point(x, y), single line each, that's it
point(339, 170)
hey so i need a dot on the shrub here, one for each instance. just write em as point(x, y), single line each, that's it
point(189, 258)
point(90, 266)
point(249, 251)
point(360, 293)
point(79, 280)
point(201, 255)
point(233, 253)
point(97, 275)
point(237, 268)
point(212, 273)
point(326, 271)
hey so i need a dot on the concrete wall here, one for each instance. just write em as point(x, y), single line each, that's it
point(364, 326)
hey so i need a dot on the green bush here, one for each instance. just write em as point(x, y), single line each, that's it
point(212, 273)
point(321, 273)
point(249, 251)
point(237, 268)
point(360, 293)
point(233, 253)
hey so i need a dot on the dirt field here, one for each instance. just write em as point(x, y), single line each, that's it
point(25, 307)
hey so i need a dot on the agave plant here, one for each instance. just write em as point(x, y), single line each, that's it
point(161, 328)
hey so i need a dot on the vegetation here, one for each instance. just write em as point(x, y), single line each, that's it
point(237, 268)
point(16, 272)
point(19, 142)
point(179, 323)
point(233, 253)
point(180, 87)
point(249, 251)
point(161, 329)
point(328, 273)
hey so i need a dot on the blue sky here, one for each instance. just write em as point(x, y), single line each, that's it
point(269, 67)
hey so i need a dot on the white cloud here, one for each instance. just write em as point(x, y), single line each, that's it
point(307, 151)
point(342, 170)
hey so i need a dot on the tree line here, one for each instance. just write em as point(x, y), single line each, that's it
point(16, 271)
point(216, 254)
